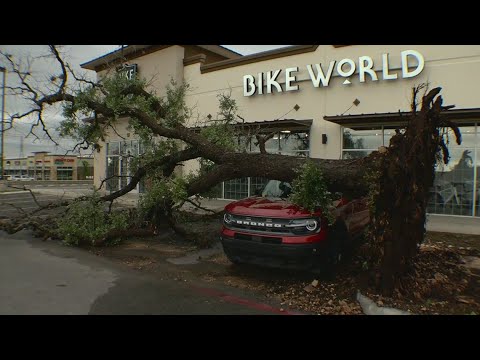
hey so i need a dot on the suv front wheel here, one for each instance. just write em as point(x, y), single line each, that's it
point(337, 239)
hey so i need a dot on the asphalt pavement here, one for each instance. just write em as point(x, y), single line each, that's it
point(48, 278)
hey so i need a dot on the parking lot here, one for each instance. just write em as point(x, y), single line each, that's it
point(17, 199)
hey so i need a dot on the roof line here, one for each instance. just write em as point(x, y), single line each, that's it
point(132, 49)
point(236, 52)
point(261, 56)
point(100, 57)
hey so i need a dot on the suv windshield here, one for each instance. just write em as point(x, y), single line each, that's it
point(277, 189)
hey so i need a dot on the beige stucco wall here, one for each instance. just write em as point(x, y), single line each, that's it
point(456, 68)
point(158, 68)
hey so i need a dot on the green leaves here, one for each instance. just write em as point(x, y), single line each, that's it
point(88, 222)
point(175, 109)
point(221, 135)
point(309, 190)
point(220, 131)
point(162, 190)
point(228, 108)
point(116, 97)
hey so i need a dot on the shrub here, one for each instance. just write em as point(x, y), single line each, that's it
point(88, 222)
point(309, 190)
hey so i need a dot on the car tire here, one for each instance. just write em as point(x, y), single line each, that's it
point(233, 259)
point(338, 238)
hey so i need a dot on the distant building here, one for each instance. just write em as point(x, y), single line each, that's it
point(45, 166)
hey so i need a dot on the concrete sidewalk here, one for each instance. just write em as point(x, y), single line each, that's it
point(454, 224)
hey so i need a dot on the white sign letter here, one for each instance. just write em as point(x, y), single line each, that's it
point(368, 68)
point(348, 73)
point(260, 84)
point(343, 62)
point(271, 80)
point(248, 85)
point(386, 75)
point(321, 77)
point(289, 79)
point(418, 70)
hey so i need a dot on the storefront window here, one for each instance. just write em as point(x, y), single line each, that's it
point(476, 191)
point(113, 148)
point(236, 189)
point(124, 172)
point(387, 135)
point(295, 143)
point(119, 156)
point(456, 185)
point(113, 167)
point(129, 147)
point(363, 138)
point(141, 147)
point(257, 184)
point(64, 173)
point(243, 143)
point(46, 173)
point(453, 192)
point(453, 188)
point(358, 143)
point(141, 186)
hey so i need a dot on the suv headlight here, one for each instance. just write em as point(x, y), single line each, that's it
point(311, 225)
point(303, 225)
point(227, 218)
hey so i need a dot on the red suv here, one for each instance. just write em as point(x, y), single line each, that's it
point(270, 231)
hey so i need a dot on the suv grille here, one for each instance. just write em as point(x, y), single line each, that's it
point(261, 225)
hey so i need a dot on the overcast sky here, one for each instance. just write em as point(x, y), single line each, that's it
point(42, 69)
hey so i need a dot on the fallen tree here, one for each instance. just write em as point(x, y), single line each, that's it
point(396, 179)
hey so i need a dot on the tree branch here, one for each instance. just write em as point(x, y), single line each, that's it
point(166, 162)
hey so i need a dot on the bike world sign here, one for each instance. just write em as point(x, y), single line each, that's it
point(320, 74)
point(128, 71)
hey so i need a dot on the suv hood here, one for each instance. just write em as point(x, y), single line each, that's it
point(268, 207)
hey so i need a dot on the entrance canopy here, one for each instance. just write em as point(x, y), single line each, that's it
point(392, 120)
point(270, 126)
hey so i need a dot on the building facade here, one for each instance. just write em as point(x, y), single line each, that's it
point(324, 101)
point(44, 166)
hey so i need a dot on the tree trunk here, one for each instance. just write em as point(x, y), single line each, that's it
point(405, 175)
point(346, 176)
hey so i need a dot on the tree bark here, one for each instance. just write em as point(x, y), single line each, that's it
point(405, 176)
point(346, 176)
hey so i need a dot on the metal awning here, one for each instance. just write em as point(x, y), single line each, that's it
point(268, 126)
point(392, 120)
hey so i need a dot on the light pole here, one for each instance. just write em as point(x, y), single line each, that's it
point(4, 71)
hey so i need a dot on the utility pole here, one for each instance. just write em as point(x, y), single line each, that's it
point(22, 153)
point(4, 71)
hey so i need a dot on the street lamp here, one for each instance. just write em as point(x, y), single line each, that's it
point(4, 71)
